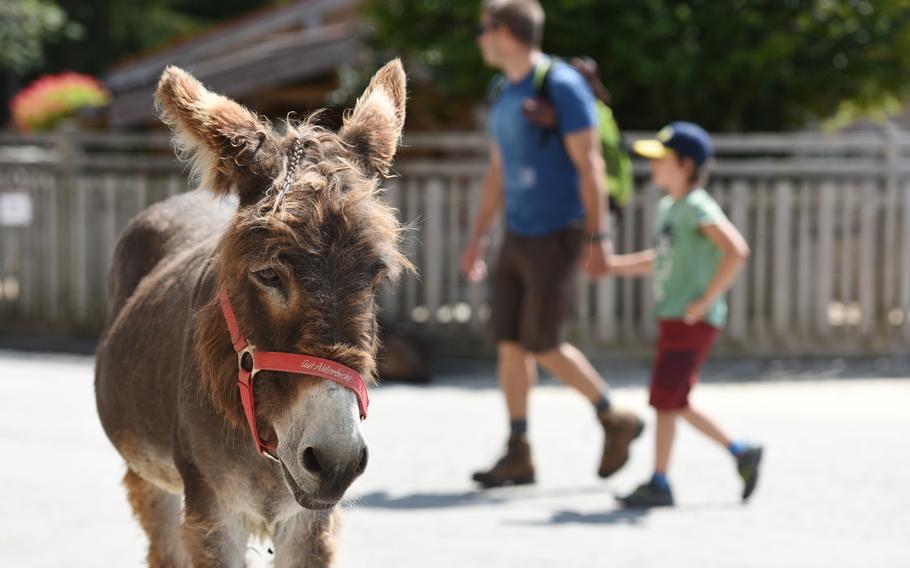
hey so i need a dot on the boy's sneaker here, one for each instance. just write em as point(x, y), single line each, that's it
point(648, 495)
point(514, 468)
point(747, 465)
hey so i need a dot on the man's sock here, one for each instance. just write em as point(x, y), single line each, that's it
point(736, 448)
point(602, 405)
point(659, 479)
point(518, 427)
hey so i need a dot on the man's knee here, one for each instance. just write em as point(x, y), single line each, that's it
point(511, 349)
point(548, 355)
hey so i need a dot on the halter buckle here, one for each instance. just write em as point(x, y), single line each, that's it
point(247, 351)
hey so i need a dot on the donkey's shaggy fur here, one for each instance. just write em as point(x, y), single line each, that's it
point(301, 269)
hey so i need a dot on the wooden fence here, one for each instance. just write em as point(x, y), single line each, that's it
point(828, 219)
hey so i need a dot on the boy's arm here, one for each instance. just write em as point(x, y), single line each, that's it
point(633, 264)
point(472, 265)
point(735, 251)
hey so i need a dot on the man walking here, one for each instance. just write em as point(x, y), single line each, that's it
point(551, 184)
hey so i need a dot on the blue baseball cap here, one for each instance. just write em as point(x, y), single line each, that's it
point(687, 139)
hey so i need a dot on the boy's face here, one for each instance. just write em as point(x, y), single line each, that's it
point(669, 171)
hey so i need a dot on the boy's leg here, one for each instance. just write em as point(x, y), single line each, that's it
point(517, 372)
point(706, 426)
point(748, 456)
point(656, 491)
point(663, 440)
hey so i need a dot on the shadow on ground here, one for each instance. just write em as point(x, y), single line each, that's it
point(442, 500)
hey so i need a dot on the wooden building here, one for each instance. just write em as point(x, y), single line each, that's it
point(276, 60)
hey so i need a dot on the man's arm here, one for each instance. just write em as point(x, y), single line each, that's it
point(584, 149)
point(491, 198)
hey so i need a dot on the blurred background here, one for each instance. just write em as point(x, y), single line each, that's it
point(807, 101)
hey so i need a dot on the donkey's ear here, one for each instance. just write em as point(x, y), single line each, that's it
point(218, 134)
point(374, 127)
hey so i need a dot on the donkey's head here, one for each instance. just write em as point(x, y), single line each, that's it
point(302, 260)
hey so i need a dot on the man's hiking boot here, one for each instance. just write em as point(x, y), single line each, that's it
point(514, 468)
point(747, 465)
point(648, 495)
point(620, 428)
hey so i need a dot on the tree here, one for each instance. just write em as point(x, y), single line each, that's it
point(24, 26)
point(734, 65)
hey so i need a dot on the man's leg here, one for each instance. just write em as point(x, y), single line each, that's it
point(517, 373)
point(570, 365)
point(620, 428)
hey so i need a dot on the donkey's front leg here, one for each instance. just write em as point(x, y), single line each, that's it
point(213, 540)
point(212, 536)
point(307, 540)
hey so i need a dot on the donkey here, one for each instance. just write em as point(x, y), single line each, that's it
point(201, 288)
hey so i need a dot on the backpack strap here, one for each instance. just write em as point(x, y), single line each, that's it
point(541, 73)
point(540, 83)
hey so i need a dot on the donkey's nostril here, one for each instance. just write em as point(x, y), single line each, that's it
point(362, 464)
point(310, 461)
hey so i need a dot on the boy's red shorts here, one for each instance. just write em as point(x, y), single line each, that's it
point(681, 349)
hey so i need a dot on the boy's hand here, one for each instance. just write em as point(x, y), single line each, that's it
point(695, 311)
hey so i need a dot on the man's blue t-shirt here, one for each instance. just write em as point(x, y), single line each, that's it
point(541, 183)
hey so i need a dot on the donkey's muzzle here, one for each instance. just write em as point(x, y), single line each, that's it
point(333, 469)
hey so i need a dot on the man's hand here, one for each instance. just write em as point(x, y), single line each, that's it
point(695, 311)
point(473, 266)
point(595, 258)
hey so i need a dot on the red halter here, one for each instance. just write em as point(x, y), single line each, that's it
point(250, 362)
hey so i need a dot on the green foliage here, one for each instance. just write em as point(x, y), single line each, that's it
point(730, 65)
point(24, 26)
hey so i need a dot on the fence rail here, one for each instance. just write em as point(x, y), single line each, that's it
point(828, 219)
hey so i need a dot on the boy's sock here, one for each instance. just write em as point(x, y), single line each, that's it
point(602, 405)
point(736, 448)
point(518, 427)
point(659, 479)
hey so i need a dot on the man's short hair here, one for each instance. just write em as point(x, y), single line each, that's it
point(523, 18)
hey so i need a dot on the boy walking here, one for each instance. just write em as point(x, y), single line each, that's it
point(550, 183)
point(696, 258)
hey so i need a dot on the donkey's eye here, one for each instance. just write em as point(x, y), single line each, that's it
point(268, 277)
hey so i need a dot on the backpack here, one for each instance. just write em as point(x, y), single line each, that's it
point(616, 157)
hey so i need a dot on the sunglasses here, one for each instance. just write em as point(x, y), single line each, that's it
point(484, 28)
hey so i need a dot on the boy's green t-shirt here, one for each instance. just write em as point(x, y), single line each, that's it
point(686, 260)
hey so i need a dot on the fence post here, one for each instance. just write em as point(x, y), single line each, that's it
point(58, 227)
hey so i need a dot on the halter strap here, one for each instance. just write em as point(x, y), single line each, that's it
point(250, 362)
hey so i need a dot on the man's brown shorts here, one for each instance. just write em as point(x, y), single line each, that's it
point(533, 287)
